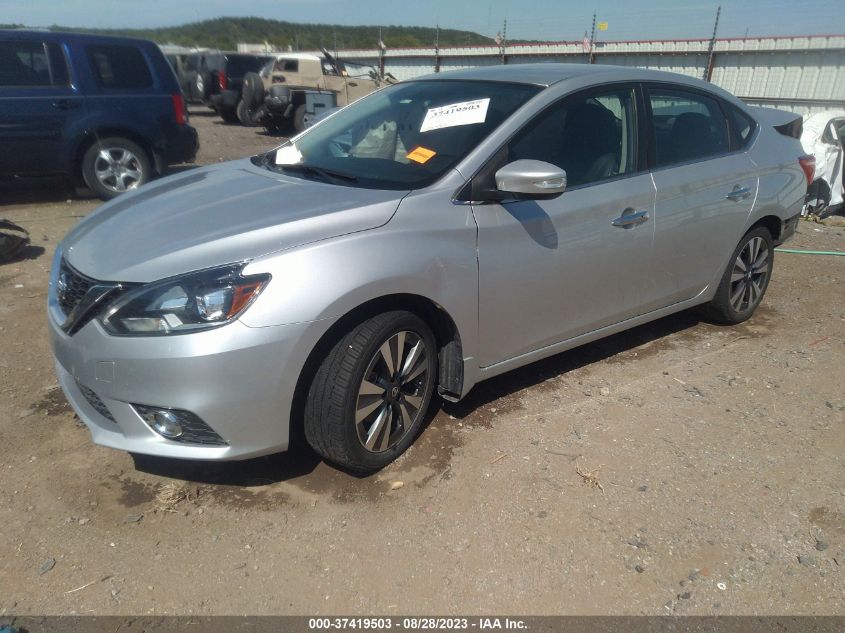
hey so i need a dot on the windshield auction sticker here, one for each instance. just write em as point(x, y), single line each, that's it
point(464, 113)
point(421, 154)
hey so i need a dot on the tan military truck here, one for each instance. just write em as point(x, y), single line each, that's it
point(296, 87)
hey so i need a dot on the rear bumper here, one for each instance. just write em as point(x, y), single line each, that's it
point(180, 146)
point(226, 100)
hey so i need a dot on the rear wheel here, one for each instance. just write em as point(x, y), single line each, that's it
point(229, 115)
point(745, 280)
point(369, 397)
point(112, 166)
point(300, 118)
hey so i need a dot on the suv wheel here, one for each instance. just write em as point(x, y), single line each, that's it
point(745, 280)
point(229, 115)
point(114, 165)
point(369, 397)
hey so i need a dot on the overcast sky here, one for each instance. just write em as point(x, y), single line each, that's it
point(527, 19)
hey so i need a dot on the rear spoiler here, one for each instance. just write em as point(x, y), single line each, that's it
point(787, 123)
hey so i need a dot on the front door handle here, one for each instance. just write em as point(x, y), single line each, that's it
point(65, 104)
point(739, 193)
point(628, 220)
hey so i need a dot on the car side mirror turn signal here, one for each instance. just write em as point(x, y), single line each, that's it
point(531, 179)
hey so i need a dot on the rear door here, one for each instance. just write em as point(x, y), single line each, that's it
point(706, 186)
point(37, 107)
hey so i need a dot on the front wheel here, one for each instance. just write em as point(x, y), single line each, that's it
point(369, 397)
point(745, 280)
point(112, 166)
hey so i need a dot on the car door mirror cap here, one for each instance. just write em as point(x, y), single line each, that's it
point(531, 179)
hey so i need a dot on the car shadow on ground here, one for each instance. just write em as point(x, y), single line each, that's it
point(40, 191)
point(30, 251)
point(300, 460)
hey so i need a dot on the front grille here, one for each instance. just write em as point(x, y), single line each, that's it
point(72, 287)
point(94, 400)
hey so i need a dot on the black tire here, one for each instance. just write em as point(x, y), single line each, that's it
point(817, 200)
point(252, 92)
point(330, 408)
point(229, 115)
point(277, 127)
point(246, 115)
point(722, 309)
point(114, 145)
point(202, 85)
point(299, 118)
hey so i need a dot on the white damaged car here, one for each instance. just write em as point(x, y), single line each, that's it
point(823, 136)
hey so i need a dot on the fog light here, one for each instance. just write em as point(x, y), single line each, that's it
point(163, 422)
point(179, 425)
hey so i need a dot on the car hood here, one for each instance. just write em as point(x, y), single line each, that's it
point(217, 215)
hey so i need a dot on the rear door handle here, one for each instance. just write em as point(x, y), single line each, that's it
point(739, 193)
point(65, 104)
point(630, 219)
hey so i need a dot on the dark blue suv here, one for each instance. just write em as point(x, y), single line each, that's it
point(105, 111)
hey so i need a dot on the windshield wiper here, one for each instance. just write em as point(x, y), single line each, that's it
point(327, 175)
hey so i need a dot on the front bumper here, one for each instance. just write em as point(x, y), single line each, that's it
point(238, 380)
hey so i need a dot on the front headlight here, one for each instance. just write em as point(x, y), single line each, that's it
point(188, 303)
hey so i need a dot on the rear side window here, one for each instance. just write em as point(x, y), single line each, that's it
point(742, 126)
point(240, 65)
point(119, 67)
point(687, 126)
point(24, 64)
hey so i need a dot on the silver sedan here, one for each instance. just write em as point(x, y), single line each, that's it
point(433, 234)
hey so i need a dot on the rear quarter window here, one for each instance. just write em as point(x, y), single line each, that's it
point(742, 126)
point(119, 67)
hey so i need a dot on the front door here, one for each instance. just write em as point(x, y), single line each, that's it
point(550, 270)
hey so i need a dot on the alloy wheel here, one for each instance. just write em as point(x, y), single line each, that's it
point(749, 275)
point(118, 169)
point(390, 396)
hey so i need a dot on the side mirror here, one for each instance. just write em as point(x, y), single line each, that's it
point(531, 179)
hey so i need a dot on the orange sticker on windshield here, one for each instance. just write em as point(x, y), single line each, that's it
point(421, 154)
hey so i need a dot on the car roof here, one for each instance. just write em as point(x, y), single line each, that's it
point(64, 36)
point(547, 74)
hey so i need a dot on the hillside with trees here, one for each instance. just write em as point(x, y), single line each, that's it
point(225, 33)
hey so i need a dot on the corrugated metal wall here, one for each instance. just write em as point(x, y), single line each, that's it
point(802, 73)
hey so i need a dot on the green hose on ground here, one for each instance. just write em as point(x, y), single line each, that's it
point(795, 250)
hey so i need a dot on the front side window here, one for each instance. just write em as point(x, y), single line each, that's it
point(405, 136)
point(591, 136)
point(687, 126)
point(287, 65)
point(119, 67)
point(24, 64)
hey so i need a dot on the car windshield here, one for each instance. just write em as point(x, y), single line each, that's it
point(403, 137)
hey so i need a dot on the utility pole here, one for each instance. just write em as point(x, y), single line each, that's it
point(504, 42)
point(381, 48)
point(708, 71)
point(437, 49)
point(592, 57)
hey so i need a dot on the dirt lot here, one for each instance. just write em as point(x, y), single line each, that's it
point(677, 468)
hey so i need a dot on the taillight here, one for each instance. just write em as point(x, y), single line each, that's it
point(222, 80)
point(808, 164)
point(179, 109)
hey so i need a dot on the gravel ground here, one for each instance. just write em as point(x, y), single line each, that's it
point(677, 468)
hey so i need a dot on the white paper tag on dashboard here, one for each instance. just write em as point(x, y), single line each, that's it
point(288, 155)
point(464, 113)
